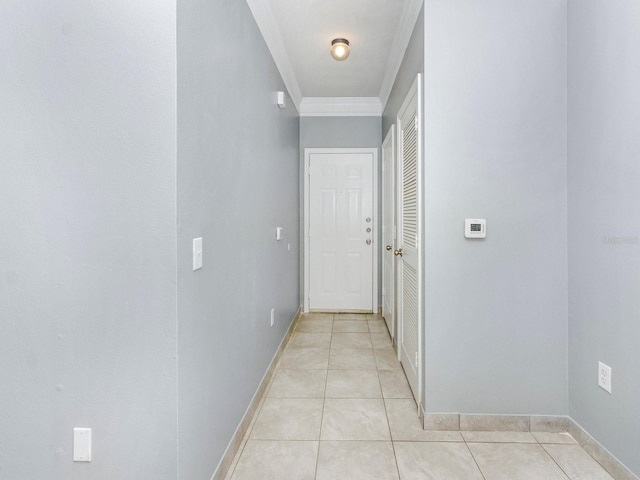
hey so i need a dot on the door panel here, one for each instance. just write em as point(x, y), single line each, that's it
point(409, 292)
point(328, 273)
point(340, 202)
point(388, 231)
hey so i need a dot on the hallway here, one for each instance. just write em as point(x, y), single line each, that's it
point(339, 407)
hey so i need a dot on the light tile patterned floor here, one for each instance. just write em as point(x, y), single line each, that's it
point(339, 407)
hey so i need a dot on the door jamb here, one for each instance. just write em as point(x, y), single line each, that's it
point(391, 137)
point(376, 220)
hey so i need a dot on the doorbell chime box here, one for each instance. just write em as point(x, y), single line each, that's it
point(475, 228)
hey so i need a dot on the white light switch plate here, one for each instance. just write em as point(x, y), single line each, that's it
point(197, 254)
point(81, 444)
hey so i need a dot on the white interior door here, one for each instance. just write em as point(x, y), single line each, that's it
point(388, 230)
point(409, 270)
point(341, 230)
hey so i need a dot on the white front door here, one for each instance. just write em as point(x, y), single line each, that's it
point(341, 229)
point(388, 230)
point(409, 271)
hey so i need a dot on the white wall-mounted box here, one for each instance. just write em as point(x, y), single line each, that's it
point(475, 228)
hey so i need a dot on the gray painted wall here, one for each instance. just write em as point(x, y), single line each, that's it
point(238, 170)
point(604, 219)
point(412, 64)
point(100, 201)
point(495, 148)
point(337, 132)
point(87, 250)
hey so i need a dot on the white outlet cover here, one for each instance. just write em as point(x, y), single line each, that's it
point(81, 444)
point(604, 376)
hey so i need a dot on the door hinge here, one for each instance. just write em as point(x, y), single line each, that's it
point(415, 123)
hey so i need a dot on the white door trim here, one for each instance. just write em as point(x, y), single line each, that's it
point(389, 277)
point(376, 219)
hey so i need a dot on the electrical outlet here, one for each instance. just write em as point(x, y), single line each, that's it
point(273, 316)
point(604, 376)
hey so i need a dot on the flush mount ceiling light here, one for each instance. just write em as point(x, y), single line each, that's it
point(340, 48)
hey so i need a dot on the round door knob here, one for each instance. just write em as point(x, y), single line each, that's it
point(389, 247)
point(398, 253)
point(368, 241)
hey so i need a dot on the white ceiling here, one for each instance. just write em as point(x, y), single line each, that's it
point(299, 33)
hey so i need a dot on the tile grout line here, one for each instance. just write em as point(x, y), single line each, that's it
point(553, 460)
point(473, 456)
point(393, 443)
point(384, 402)
point(324, 401)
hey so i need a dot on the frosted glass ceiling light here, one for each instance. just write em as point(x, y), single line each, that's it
point(340, 48)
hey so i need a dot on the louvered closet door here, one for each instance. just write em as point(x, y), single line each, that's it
point(409, 241)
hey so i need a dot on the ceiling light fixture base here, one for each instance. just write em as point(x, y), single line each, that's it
point(340, 49)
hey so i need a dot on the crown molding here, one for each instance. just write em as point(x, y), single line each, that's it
point(399, 46)
point(267, 24)
point(340, 107)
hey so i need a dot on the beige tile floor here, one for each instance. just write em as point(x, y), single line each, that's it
point(339, 407)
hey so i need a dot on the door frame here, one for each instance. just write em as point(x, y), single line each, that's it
point(376, 219)
point(389, 139)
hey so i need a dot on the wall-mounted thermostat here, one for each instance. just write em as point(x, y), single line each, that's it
point(475, 228)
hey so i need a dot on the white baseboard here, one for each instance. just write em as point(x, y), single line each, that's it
point(238, 437)
point(530, 423)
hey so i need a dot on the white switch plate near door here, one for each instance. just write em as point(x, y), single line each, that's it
point(81, 444)
point(197, 254)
